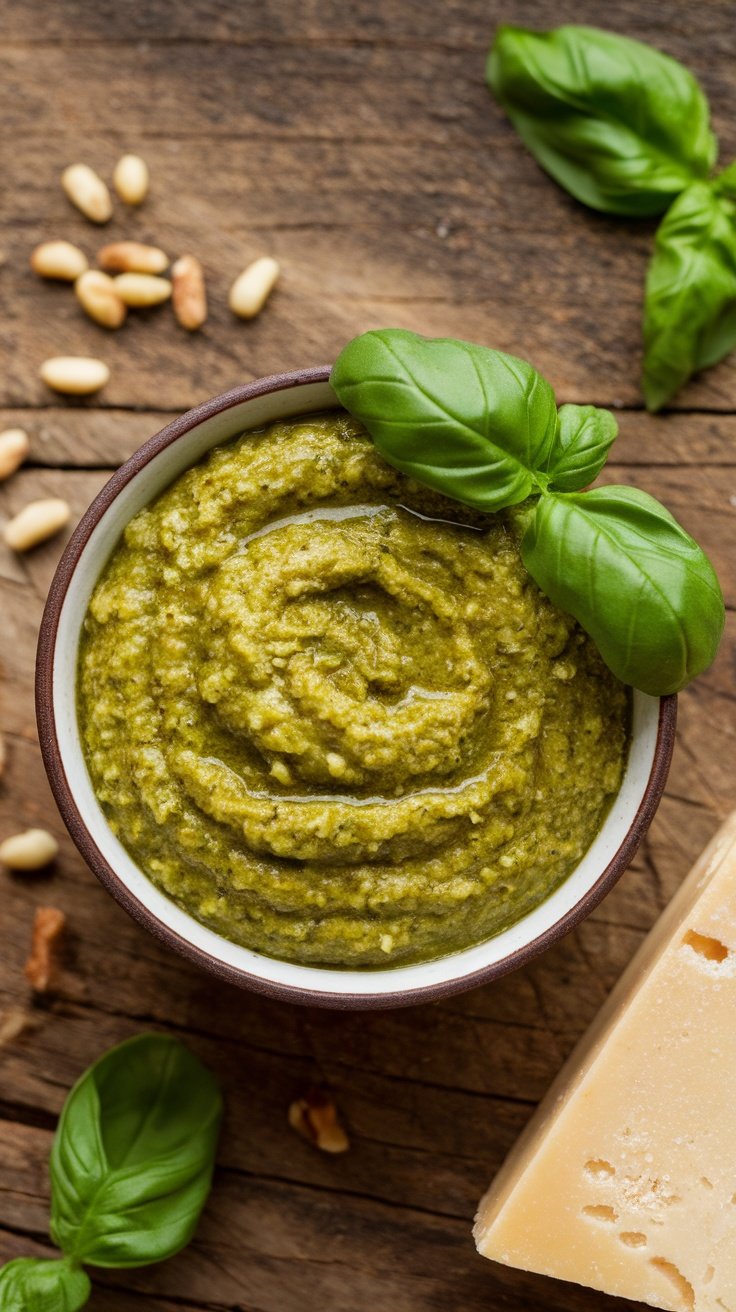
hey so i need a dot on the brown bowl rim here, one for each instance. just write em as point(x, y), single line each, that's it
point(87, 847)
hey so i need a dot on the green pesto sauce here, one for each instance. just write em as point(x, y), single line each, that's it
point(328, 712)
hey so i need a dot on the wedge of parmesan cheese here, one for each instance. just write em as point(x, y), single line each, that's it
point(625, 1178)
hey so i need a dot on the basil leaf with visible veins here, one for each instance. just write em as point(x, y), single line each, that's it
point(471, 422)
point(690, 298)
point(634, 579)
point(132, 1159)
point(31, 1284)
point(623, 127)
point(584, 438)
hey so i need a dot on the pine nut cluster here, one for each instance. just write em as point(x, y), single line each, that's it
point(130, 275)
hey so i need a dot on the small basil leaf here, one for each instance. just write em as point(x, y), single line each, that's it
point(32, 1284)
point(620, 125)
point(690, 298)
point(584, 438)
point(473, 423)
point(131, 1163)
point(634, 579)
point(724, 184)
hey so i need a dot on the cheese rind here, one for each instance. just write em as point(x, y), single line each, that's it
point(625, 1178)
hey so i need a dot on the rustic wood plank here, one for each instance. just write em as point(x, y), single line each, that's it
point(373, 229)
point(74, 436)
point(463, 24)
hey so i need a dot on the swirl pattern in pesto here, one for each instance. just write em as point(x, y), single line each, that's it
point(328, 712)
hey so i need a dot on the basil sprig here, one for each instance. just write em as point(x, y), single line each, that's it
point(625, 129)
point(131, 1169)
point(445, 413)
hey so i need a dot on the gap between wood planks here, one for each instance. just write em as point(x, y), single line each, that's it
point(325, 42)
point(71, 1009)
point(290, 1182)
point(617, 407)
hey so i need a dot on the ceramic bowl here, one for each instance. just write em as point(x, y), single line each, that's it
point(136, 483)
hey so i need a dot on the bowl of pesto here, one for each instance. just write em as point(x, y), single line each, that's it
point(315, 726)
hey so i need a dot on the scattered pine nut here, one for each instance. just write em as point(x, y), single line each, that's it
point(77, 375)
point(97, 296)
point(58, 259)
point(31, 850)
point(189, 296)
point(35, 523)
point(132, 257)
point(142, 289)
point(13, 1022)
point(253, 286)
point(315, 1118)
point(14, 447)
point(88, 192)
point(48, 926)
point(131, 179)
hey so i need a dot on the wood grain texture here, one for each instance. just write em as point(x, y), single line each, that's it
point(359, 145)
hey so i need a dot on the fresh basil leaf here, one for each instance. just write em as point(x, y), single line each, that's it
point(132, 1159)
point(690, 298)
point(32, 1284)
point(634, 579)
point(584, 438)
point(473, 423)
point(621, 126)
point(724, 183)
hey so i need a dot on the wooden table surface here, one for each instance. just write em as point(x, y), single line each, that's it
point(358, 144)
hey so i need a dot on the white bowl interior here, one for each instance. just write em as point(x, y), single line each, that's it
point(165, 467)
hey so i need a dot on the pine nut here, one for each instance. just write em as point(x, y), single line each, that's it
point(35, 523)
point(88, 192)
point(142, 289)
point(3, 755)
point(189, 296)
point(130, 179)
point(31, 850)
point(13, 1022)
point(14, 447)
point(58, 259)
point(132, 257)
point(78, 375)
point(96, 294)
point(253, 286)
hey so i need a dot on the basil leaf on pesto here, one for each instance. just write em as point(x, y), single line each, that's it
point(623, 127)
point(633, 578)
point(614, 558)
point(690, 299)
point(471, 422)
point(584, 438)
point(31, 1284)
